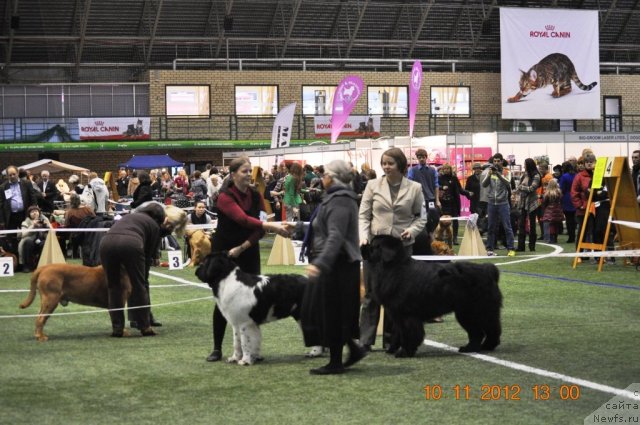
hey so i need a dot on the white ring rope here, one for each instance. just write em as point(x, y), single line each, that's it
point(209, 226)
point(71, 313)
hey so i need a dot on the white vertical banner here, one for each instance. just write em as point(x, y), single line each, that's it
point(550, 63)
point(282, 126)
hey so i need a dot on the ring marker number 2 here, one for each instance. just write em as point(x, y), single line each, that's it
point(6, 266)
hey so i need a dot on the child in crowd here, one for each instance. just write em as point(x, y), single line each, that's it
point(552, 209)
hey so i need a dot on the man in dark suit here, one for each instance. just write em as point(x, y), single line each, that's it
point(122, 183)
point(49, 192)
point(16, 196)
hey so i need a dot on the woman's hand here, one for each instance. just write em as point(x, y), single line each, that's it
point(312, 271)
point(405, 235)
point(364, 242)
point(281, 228)
point(235, 252)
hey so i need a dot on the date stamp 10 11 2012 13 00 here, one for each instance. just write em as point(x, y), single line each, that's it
point(513, 392)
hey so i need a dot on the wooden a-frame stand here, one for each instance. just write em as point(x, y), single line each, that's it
point(614, 173)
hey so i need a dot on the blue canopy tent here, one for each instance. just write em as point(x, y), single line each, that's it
point(151, 161)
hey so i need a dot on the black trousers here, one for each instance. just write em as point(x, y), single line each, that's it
point(570, 216)
point(14, 222)
point(121, 251)
point(248, 261)
point(522, 229)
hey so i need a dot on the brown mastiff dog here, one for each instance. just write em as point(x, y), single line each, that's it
point(200, 244)
point(61, 283)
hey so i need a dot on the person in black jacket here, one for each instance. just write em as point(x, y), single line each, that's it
point(143, 192)
point(16, 196)
point(238, 232)
point(472, 186)
point(48, 193)
point(450, 191)
point(131, 243)
point(332, 302)
point(122, 183)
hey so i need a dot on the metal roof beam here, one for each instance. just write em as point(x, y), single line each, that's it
point(357, 28)
point(292, 23)
point(423, 19)
point(604, 20)
point(153, 32)
point(221, 33)
point(627, 19)
point(83, 30)
point(486, 17)
point(126, 41)
point(10, 11)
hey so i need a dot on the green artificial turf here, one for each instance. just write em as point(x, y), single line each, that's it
point(579, 323)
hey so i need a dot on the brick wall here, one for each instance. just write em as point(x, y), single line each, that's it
point(485, 87)
point(485, 99)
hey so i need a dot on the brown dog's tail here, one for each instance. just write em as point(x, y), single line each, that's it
point(32, 292)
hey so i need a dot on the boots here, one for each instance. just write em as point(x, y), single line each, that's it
point(335, 366)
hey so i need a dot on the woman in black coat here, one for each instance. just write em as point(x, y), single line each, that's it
point(143, 192)
point(450, 191)
point(131, 244)
point(332, 304)
point(472, 186)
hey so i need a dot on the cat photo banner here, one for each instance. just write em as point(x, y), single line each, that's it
point(550, 64)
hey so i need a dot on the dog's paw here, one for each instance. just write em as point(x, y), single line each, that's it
point(42, 338)
point(314, 352)
point(490, 346)
point(402, 353)
point(469, 349)
point(232, 359)
point(245, 361)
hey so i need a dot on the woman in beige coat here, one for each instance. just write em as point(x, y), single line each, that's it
point(391, 205)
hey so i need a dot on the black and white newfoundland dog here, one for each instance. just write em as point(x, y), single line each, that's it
point(413, 292)
point(247, 301)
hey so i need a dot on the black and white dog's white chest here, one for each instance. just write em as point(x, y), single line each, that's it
point(242, 296)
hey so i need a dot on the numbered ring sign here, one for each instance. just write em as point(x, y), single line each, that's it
point(6, 266)
point(175, 260)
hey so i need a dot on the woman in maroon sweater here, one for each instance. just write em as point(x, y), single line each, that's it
point(239, 230)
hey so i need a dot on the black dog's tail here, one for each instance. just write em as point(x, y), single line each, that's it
point(493, 303)
point(493, 274)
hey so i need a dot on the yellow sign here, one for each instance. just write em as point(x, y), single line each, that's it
point(598, 173)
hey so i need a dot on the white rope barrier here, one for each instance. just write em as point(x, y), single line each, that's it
point(632, 224)
point(209, 226)
point(590, 254)
point(72, 313)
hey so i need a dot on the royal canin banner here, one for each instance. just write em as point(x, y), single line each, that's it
point(114, 128)
point(354, 127)
point(550, 64)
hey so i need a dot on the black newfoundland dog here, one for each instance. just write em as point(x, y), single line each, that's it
point(414, 291)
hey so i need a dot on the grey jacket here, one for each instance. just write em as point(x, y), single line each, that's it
point(499, 186)
point(528, 192)
point(335, 229)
